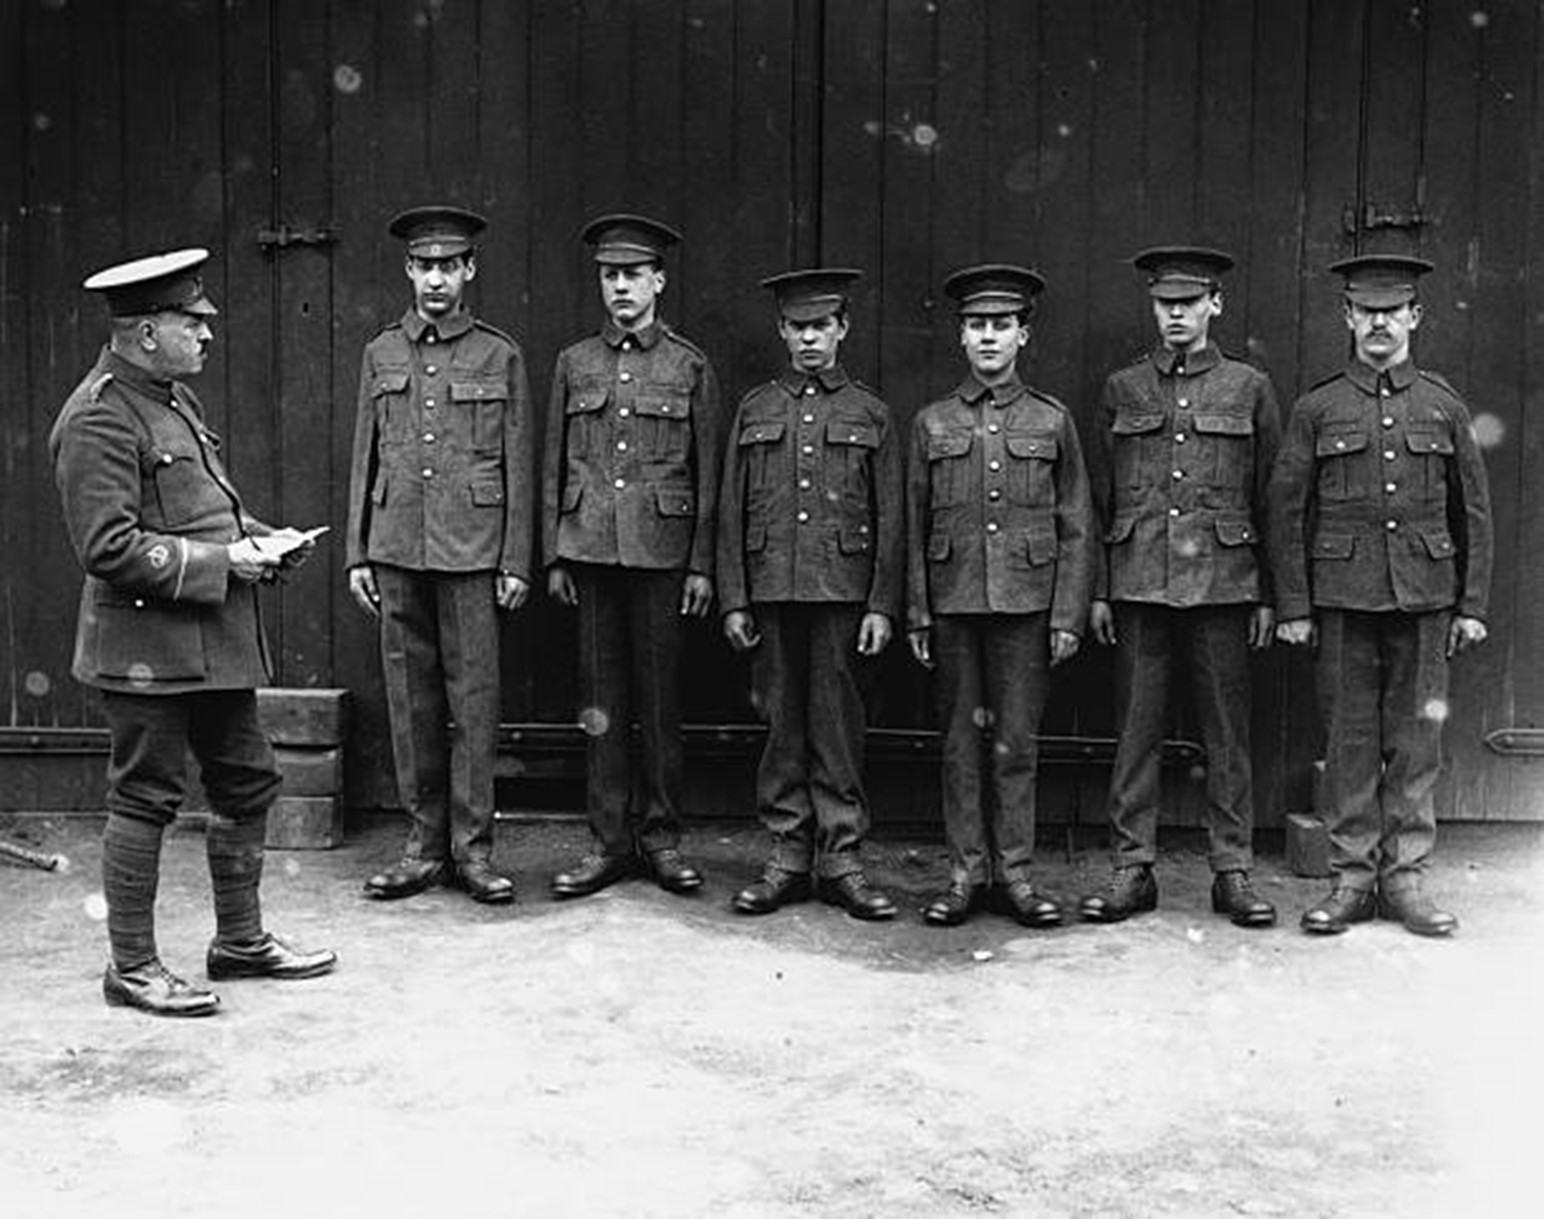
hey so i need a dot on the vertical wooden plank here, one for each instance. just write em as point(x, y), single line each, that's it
point(1172, 137)
point(452, 39)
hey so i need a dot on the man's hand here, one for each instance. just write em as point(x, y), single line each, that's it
point(304, 545)
point(740, 630)
point(1295, 631)
point(510, 591)
point(696, 596)
point(1101, 621)
point(921, 642)
point(1064, 646)
point(1261, 621)
point(561, 587)
point(361, 586)
point(1464, 633)
point(250, 562)
point(873, 634)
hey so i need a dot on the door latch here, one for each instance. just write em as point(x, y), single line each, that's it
point(1373, 216)
point(285, 236)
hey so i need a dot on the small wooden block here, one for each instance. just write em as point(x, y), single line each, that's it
point(305, 823)
point(310, 772)
point(1308, 845)
point(303, 716)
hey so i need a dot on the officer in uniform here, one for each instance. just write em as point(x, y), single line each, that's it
point(810, 553)
point(1380, 515)
point(441, 501)
point(1185, 444)
point(1000, 564)
point(169, 630)
point(629, 489)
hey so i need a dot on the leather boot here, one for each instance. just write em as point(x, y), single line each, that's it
point(1233, 895)
point(953, 906)
point(406, 877)
point(1132, 890)
point(1343, 906)
point(153, 988)
point(852, 892)
point(1405, 901)
point(777, 887)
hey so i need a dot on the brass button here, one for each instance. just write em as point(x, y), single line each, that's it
point(1178, 474)
point(804, 484)
point(1173, 511)
point(803, 516)
point(1392, 525)
point(1388, 454)
point(1391, 487)
point(993, 428)
point(430, 369)
point(625, 377)
point(623, 413)
point(428, 437)
point(809, 418)
point(809, 448)
point(1179, 437)
point(621, 446)
point(428, 473)
point(995, 493)
point(1388, 421)
point(994, 465)
point(619, 483)
point(991, 526)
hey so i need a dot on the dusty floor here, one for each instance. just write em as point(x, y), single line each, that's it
point(639, 1054)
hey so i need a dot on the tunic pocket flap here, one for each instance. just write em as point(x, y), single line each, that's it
point(865, 435)
point(1039, 445)
point(938, 546)
point(1130, 424)
point(853, 539)
point(1121, 527)
point(676, 501)
point(677, 406)
point(947, 444)
point(1235, 533)
point(1334, 443)
point(478, 391)
point(761, 433)
point(585, 400)
point(1428, 440)
point(1439, 543)
point(1334, 546)
point(487, 494)
point(1040, 546)
point(1224, 425)
point(390, 382)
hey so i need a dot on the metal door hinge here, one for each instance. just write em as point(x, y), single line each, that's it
point(1374, 216)
point(285, 236)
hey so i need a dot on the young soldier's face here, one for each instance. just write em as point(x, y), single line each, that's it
point(992, 341)
point(1183, 325)
point(813, 346)
point(439, 284)
point(1383, 335)
point(630, 292)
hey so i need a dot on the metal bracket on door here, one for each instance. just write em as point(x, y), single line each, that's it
point(1373, 217)
point(1516, 742)
point(284, 236)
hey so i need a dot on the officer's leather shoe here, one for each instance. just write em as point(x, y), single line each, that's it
point(482, 884)
point(1131, 891)
point(953, 906)
point(592, 874)
point(1405, 902)
point(405, 878)
point(1233, 895)
point(777, 887)
point(1029, 906)
point(671, 872)
point(852, 892)
point(269, 957)
point(1344, 905)
point(153, 988)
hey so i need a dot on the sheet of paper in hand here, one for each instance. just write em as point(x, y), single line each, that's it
point(280, 544)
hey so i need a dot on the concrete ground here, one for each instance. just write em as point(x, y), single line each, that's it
point(637, 1054)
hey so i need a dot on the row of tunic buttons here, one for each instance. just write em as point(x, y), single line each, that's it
point(805, 484)
point(1179, 438)
point(429, 370)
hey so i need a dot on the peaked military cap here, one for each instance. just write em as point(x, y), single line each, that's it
point(437, 231)
point(1182, 272)
point(995, 287)
point(623, 239)
point(808, 296)
point(149, 285)
point(1381, 281)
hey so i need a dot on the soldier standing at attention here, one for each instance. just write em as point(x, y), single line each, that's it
point(1185, 444)
point(441, 497)
point(1380, 516)
point(169, 631)
point(1000, 564)
point(630, 486)
point(810, 551)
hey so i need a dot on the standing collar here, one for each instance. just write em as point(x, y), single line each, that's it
point(1165, 360)
point(452, 327)
point(1365, 376)
point(141, 380)
point(830, 380)
point(645, 338)
point(972, 390)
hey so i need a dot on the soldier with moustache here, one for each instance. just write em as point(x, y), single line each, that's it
point(169, 632)
point(1380, 515)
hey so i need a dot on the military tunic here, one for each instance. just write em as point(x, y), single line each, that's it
point(1000, 552)
point(1183, 460)
point(630, 488)
point(1381, 528)
point(441, 496)
point(811, 537)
